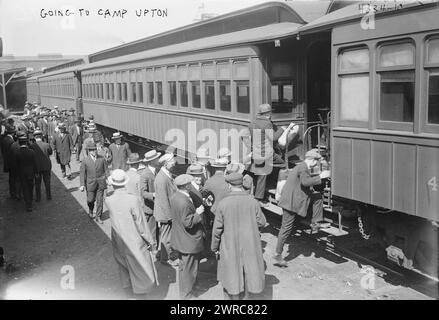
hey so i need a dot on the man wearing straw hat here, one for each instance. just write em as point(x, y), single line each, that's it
point(164, 189)
point(119, 152)
point(133, 186)
point(93, 174)
point(147, 190)
point(131, 238)
point(187, 234)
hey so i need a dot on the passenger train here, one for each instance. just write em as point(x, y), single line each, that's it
point(361, 80)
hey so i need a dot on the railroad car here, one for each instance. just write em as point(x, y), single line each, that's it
point(363, 86)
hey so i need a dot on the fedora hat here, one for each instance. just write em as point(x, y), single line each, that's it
point(151, 155)
point(116, 135)
point(264, 108)
point(183, 179)
point(133, 158)
point(118, 178)
point(235, 167)
point(195, 169)
point(220, 163)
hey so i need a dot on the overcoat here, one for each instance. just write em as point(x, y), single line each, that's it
point(164, 189)
point(42, 154)
point(63, 147)
point(120, 156)
point(218, 186)
point(131, 240)
point(133, 186)
point(295, 195)
point(187, 231)
point(236, 235)
point(147, 190)
point(6, 143)
point(93, 174)
point(76, 136)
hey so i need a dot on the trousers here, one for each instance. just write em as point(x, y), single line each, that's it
point(27, 185)
point(188, 269)
point(45, 176)
point(98, 197)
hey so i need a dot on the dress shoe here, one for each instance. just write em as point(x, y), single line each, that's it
point(279, 261)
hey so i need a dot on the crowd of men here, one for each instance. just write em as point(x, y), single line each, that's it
point(213, 211)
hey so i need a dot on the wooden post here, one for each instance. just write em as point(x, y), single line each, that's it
point(4, 92)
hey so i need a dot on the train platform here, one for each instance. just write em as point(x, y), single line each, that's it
point(58, 238)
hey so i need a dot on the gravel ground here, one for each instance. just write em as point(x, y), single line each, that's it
point(58, 233)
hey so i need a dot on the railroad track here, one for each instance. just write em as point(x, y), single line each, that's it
point(418, 281)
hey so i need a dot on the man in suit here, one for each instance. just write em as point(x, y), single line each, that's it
point(186, 234)
point(133, 185)
point(77, 133)
point(216, 184)
point(63, 146)
point(8, 159)
point(93, 174)
point(295, 198)
point(43, 125)
point(44, 165)
point(27, 168)
point(147, 190)
point(164, 189)
point(131, 238)
point(119, 152)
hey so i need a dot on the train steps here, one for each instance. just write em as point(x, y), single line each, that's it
point(333, 217)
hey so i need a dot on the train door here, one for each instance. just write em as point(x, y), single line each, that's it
point(318, 90)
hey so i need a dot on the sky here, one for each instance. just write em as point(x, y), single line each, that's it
point(27, 28)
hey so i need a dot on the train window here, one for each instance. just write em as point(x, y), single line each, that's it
point(196, 94)
point(354, 60)
point(433, 51)
point(400, 54)
point(172, 93)
point(140, 91)
point(107, 90)
point(282, 94)
point(208, 71)
point(194, 72)
point(209, 94)
point(225, 96)
point(119, 91)
point(243, 96)
point(241, 70)
point(101, 91)
point(183, 94)
point(159, 93)
point(182, 72)
point(433, 97)
point(112, 91)
point(150, 92)
point(397, 93)
point(133, 92)
point(223, 70)
point(84, 93)
point(125, 91)
point(354, 97)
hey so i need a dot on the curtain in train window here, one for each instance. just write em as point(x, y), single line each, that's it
point(242, 97)
point(196, 94)
point(433, 97)
point(139, 78)
point(225, 96)
point(183, 94)
point(159, 93)
point(401, 54)
point(354, 98)
point(133, 86)
point(397, 93)
point(150, 92)
point(172, 93)
point(209, 94)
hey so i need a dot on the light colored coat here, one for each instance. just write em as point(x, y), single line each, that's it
point(164, 189)
point(131, 240)
point(236, 235)
point(133, 185)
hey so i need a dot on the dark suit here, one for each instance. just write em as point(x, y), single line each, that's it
point(147, 190)
point(295, 198)
point(119, 156)
point(63, 148)
point(92, 176)
point(44, 166)
point(187, 239)
point(14, 170)
point(9, 164)
point(77, 138)
point(27, 166)
point(44, 127)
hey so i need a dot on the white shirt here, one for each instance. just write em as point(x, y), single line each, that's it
point(152, 169)
point(196, 186)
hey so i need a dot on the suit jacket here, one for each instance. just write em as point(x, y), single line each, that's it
point(93, 174)
point(133, 186)
point(6, 144)
point(147, 190)
point(295, 195)
point(42, 153)
point(218, 186)
point(26, 162)
point(164, 189)
point(43, 125)
point(187, 231)
point(120, 156)
point(63, 147)
point(76, 137)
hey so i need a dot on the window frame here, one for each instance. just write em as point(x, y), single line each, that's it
point(379, 71)
point(427, 68)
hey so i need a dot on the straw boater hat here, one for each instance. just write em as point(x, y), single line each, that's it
point(116, 135)
point(195, 169)
point(151, 155)
point(235, 167)
point(118, 178)
point(220, 163)
point(133, 158)
point(166, 157)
